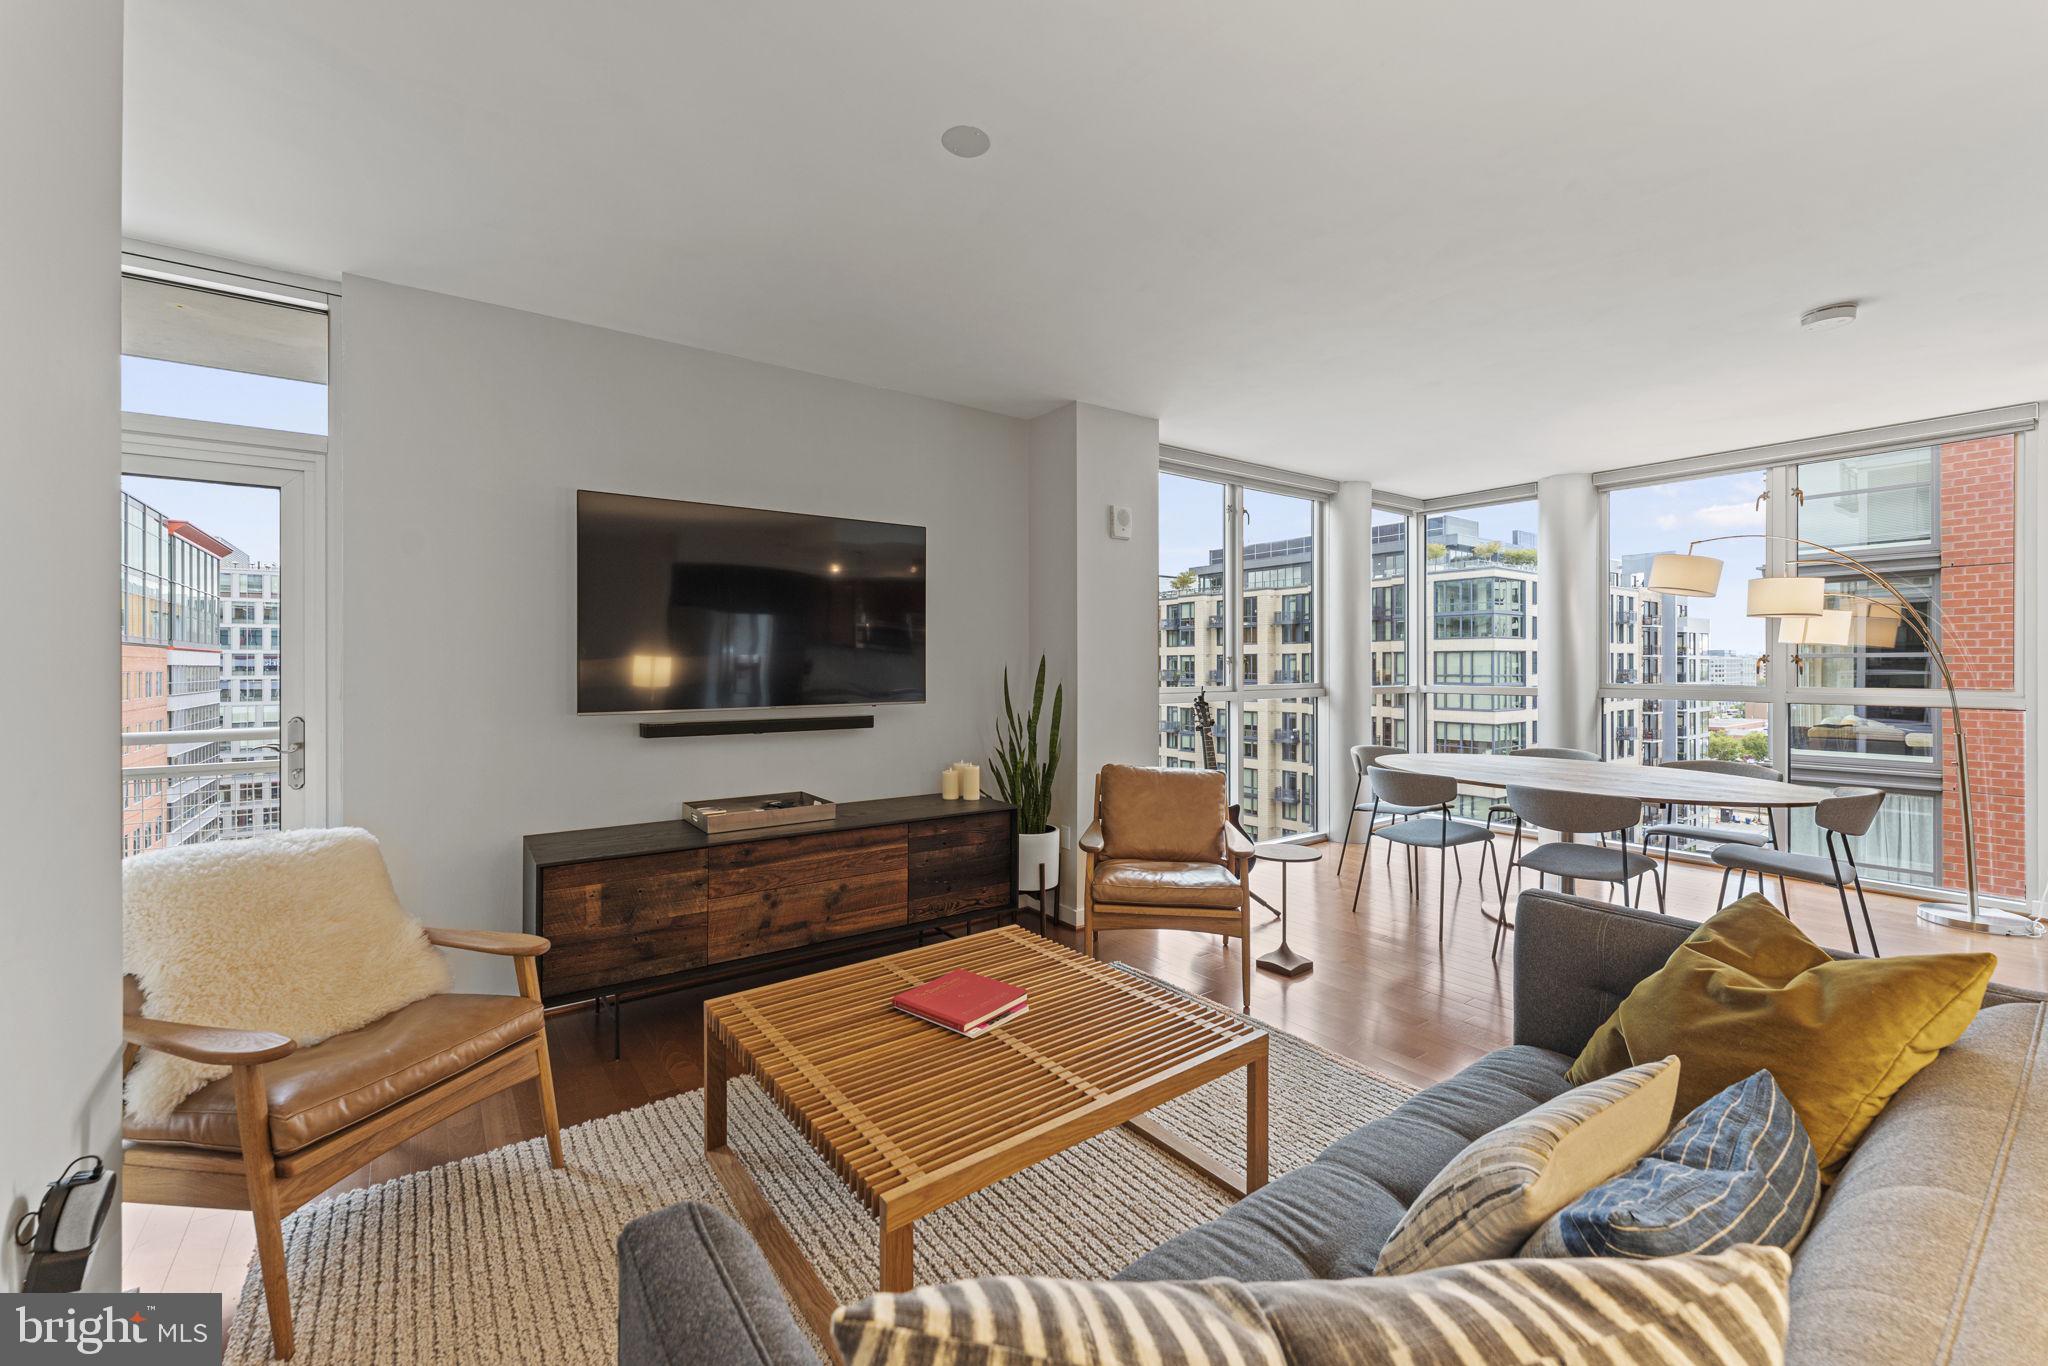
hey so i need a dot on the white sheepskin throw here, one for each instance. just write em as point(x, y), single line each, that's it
point(299, 933)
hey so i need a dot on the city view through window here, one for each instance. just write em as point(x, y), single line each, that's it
point(1253, 673)
point(201, 637)
point(1456, 644)
point(203, 634)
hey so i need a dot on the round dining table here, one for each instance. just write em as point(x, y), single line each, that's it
point(1650, 783)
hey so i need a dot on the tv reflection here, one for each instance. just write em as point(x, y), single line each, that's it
point(758, 637)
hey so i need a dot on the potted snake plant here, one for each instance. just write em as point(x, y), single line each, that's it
point(1024, 771)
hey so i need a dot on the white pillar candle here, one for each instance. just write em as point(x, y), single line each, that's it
point(949, 784)
point(970, 782)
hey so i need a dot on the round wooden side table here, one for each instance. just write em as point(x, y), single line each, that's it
point(1284, 960)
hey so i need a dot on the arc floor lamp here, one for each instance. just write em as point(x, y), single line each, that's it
point(1799, 604)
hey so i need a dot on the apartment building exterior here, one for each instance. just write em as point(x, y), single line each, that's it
point(1274, 740)
point(1482, 631)
point(170, 675)
point(251, 624)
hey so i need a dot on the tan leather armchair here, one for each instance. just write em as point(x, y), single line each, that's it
point(289, 1122)
point(1161, 854)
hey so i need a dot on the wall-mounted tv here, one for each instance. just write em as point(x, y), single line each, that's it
point(698, 606)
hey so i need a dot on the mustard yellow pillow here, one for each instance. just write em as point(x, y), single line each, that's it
point(1747, 991)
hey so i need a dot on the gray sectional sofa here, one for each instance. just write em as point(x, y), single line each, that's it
point(1929, 1248)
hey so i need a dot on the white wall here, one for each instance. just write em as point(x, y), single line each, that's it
point(1094, 599)
point(1055, 591)
point(465, 430)
point(60, 814)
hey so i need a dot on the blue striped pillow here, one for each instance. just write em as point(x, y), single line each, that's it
point(1739, 1169)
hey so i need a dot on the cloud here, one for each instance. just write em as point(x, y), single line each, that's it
point(1667, 521)
point(1728, 516)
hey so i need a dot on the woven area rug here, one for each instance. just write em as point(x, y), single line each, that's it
point(498, 1258)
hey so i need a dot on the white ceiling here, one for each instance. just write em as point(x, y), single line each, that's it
point(1440, 245)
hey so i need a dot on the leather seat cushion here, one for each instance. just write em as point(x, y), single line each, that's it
point(1152, 882)
point(324, 1089)
point(1163, 814)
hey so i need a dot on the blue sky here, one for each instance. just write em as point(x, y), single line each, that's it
point(1665, 518)
point(1191, 520)
point(245, 516)
point(167, 389)
point(234, 512)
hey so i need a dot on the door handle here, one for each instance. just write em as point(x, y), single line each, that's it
point(292, 753)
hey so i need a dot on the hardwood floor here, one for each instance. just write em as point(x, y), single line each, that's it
point(1380, 992)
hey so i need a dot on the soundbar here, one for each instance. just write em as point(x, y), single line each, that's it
point(760, 725)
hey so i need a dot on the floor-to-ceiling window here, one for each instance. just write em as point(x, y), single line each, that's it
point(1478, 618)
point(1393, 680)
point(1684, 677)
point(1939, 521)
point(1936, 518)
point(1453, 611)
point(1240, 675)
point(224, 397)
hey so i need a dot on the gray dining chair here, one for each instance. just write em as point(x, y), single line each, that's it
point(1441, 832)
point(1717, 832)
point(1847, 815)
point(1578, 813)
point(1363, 759)
point(1500, 811)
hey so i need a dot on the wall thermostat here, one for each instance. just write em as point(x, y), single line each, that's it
point(1119, 523)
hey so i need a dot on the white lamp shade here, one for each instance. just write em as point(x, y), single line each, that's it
point(1685, 576)
point(1833, 626)
point(1787, 597)
point(1877, 624)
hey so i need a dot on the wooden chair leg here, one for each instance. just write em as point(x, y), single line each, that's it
point(252, 1116)
point(528, 973)
point(1247, 956)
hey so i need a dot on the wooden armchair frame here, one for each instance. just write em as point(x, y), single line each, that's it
point(1230, 924)
point(271, 1185)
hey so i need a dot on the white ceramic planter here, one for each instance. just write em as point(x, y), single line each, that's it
point(1032, 850)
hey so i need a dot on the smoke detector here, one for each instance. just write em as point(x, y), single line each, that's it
point(964, 140)
point(1828, 316)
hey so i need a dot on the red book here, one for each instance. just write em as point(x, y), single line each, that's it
point(964, 1002)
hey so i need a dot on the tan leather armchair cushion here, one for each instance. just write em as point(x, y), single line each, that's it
point(1144, 882)
point(324, 1089)
point(1167, 815)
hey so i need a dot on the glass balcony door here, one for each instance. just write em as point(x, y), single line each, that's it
point(222, 627)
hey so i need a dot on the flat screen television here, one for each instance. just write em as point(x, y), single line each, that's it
point(698, 606)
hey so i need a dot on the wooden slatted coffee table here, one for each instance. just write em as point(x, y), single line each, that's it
point(913, 1118)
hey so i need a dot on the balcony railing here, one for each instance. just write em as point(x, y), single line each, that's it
point(1216, 677)
point(217, 736)
point(1293, 617)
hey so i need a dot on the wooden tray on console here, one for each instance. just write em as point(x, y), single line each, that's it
point(717, 815)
